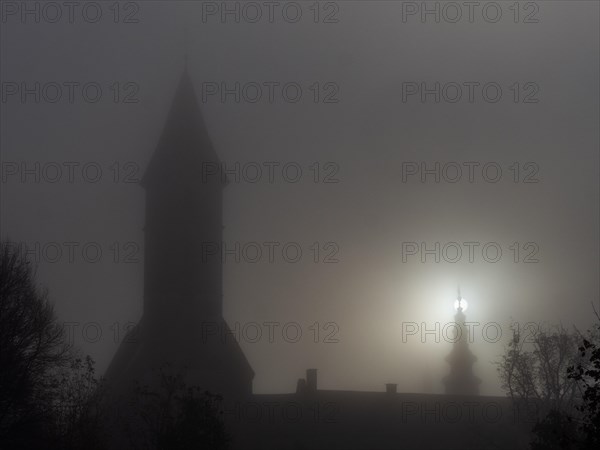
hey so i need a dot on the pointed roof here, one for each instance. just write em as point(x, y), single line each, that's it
point(184, 147)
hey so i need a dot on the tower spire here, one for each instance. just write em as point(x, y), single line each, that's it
point(459, 297)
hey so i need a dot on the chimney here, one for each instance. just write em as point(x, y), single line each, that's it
point(391, 388)
point(301, 386)
point(311, 380)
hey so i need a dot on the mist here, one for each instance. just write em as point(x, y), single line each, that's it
point(374, 167)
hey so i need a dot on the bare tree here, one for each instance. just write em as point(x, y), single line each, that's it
point(587, 373)
point(533, 368)
point(175, 416)
point(534, 371)
point(79, 408)
point(32, 348)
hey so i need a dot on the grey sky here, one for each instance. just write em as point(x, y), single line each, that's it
point(367, 135)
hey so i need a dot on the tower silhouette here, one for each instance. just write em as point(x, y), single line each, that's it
point(461, 380)
point(182, 322)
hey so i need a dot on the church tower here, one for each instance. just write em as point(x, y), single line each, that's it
point(182, 322)
point(461, 380)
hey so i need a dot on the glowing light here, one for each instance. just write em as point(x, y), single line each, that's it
point(463, 304)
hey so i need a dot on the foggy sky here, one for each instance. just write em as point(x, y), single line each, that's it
point(368, 134)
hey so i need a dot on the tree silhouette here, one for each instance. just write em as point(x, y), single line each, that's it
point(51, 398)
point(78, 407)
point(533, 372)
point(176, 416)
point(556, 431)
point(559, 383)
point(32, 349)
point(587, 373)
point(49, 395)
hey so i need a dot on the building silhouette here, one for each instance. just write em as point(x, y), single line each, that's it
point(182, 324)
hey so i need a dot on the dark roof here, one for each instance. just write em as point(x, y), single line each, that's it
point(145, 348)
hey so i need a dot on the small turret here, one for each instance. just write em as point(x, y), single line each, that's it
point(461, 380)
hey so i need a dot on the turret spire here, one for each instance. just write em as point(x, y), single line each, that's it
point(461, 380)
